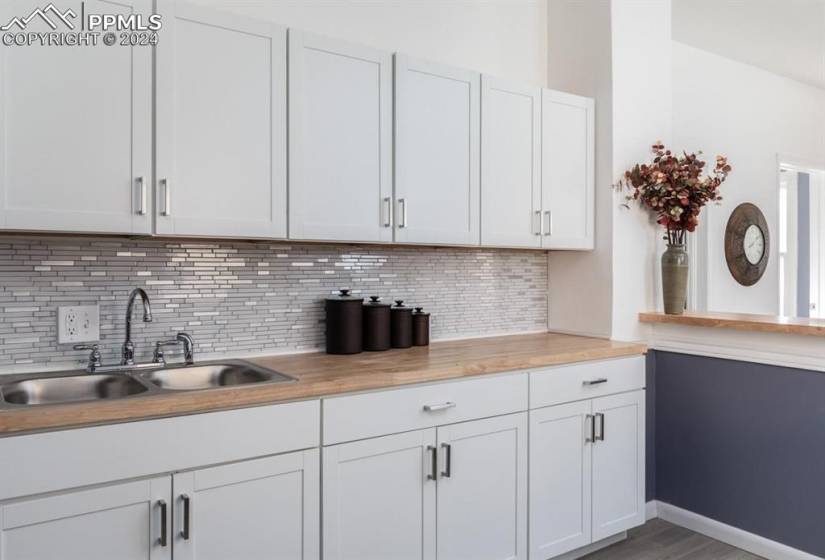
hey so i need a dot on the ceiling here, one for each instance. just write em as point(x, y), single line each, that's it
point(786, 37)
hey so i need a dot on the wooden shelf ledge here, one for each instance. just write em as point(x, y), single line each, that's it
point(742, 321)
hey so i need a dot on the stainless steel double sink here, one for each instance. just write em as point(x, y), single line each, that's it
point(81, 387)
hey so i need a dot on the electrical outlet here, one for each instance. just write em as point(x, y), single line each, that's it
point(80, 323)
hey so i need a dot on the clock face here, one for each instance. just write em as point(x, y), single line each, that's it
point(747, 244)
point(754, 244)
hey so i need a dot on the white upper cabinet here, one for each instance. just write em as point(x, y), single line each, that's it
point(262, 508)
point(437, 121)
point(221, 124)
point(568, 167)
point(127, 521)
point(340, 140)
point(510, 164)
point(75, 131)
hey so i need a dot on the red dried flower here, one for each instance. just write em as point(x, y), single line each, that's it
point(674, 188)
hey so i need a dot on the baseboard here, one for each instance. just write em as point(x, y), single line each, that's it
point(749, 542)
point(651, 510)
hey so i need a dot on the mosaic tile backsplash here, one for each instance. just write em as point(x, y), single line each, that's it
point(247, 298)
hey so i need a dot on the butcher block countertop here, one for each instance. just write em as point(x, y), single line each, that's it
point(742, 321)
point(322, 375)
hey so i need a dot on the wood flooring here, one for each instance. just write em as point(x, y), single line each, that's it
point(660, 540)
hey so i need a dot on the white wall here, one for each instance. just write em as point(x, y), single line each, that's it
point(642, 115)
point(580, 298)
point(750, 115)
point(506, 38)
point(601, 293)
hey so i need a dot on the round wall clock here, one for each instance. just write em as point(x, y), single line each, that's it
point(747, 244)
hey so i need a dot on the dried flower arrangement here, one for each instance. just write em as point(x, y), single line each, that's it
point(674, 189)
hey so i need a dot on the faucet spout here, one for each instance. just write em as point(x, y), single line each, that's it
point(128, 347)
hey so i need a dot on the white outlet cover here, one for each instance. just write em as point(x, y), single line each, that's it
point(79, 323)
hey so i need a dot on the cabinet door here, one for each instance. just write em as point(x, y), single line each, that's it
point(263, 508)
point(437, 119)
point(221, 124)
point(510, 164)
point(618, 464)
point(379, 498)
point(340, 140)
point(560, 492)
point(121, 521)
point(568, 167)
point(75, 128)
point(482, 489)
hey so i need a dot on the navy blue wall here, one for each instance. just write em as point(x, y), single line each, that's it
point(650, 440)
point(741, 443)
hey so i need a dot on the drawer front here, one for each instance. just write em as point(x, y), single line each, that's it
point(586, 380)
point(103, 454)
point(387, 412)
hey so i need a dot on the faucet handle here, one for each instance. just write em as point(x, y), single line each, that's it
point(94, 355)
point(188, 347)
point(158, 354)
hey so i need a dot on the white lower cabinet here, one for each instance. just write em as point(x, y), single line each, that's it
point(560, 475)
point(263, 508)
point(482, 490)
point(618, 464)
point(453, 492)
point(379, 498)
point(586, 472)
point(128, 521)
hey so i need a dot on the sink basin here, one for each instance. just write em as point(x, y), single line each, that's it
point(54, 390)
point(208, 376)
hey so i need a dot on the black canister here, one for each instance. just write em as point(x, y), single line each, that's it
point(400, 325)
point(376, 325)
point(421, 327)
point(344, 323)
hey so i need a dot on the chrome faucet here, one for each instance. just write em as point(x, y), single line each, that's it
point(128, 356)
point(188, 347)
point(181, 338)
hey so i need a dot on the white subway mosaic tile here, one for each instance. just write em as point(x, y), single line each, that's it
point(215, 291)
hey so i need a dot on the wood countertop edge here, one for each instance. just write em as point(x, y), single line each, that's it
point(310, 386)
point(741, 321)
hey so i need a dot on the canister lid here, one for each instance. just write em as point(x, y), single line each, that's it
point(420, 311)
point(399, 306)
point(375, 301)
point(344, 295)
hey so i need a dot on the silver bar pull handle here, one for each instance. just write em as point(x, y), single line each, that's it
point(141, 196)
point(537, 220)
point(590, 428)
point(402, 204)
point(433, 462)
point(600, 418)
point(184, 533)
point(589, 382)
point(441, 406)
point(388, 210)
point(448, 460)
point(166, 208)
point(163, 541)
point(548, 217)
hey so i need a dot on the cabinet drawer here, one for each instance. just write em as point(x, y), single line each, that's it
point(413, 408)
point(586, 380)
point(102, 454)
